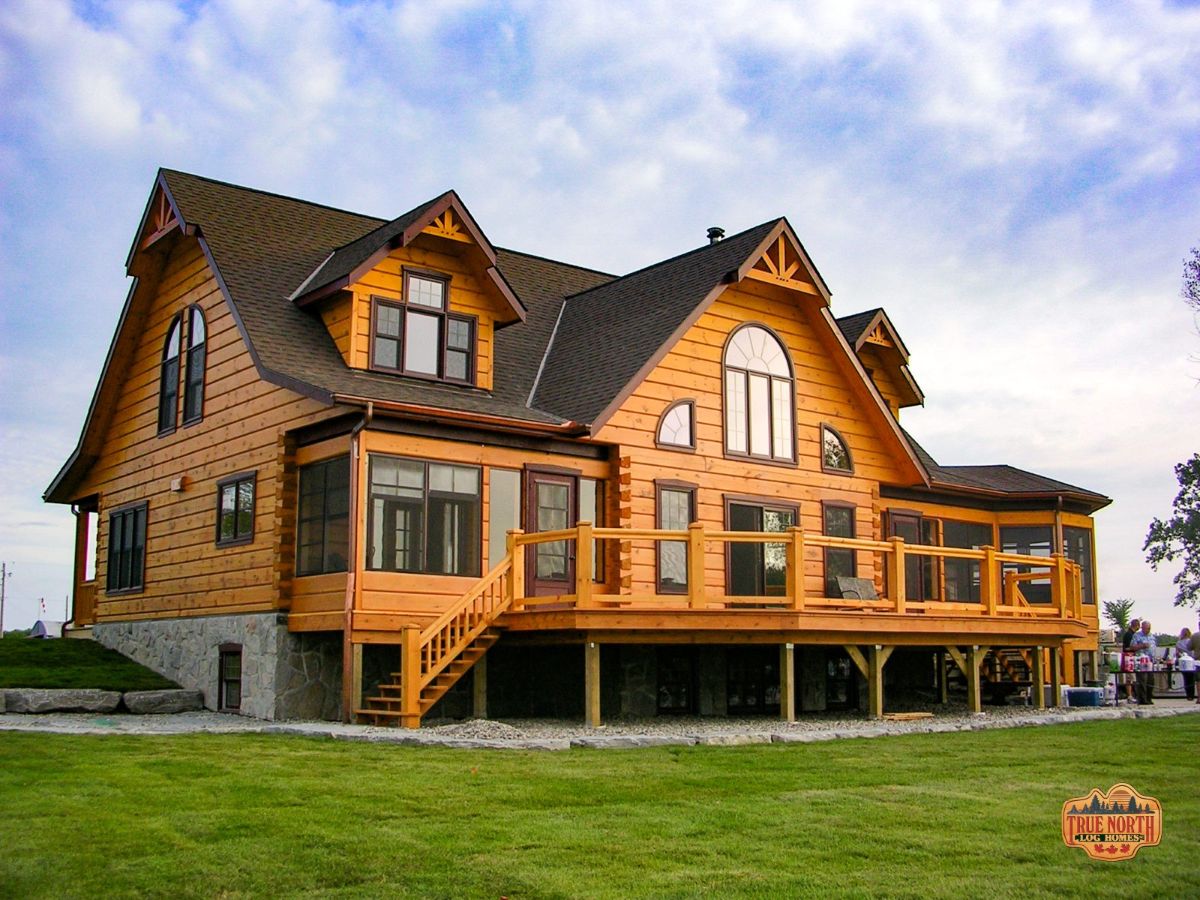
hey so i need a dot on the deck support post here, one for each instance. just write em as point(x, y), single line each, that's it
point(974, 694)
point(879, 658)
point(479, 688)
point(410, 677)
point(1038, 677)
point(787, 682)
point(943, 685)
point(354, 682)
point(591, 684)
point(1055, 676)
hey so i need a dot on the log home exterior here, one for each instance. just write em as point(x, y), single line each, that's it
point(335, 463)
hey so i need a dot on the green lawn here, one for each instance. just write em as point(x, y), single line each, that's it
point(66, 663)
point(950, 815)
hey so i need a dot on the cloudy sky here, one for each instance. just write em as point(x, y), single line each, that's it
point(1017, 183)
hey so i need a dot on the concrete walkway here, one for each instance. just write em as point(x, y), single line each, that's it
point(557, 735)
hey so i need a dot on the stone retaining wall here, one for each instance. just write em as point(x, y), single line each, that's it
point(284, 675)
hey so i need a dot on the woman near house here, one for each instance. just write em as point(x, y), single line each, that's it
point(1185, 661)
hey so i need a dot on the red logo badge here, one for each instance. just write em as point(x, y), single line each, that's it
point(1113, 825)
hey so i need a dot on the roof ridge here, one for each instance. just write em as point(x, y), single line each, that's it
point(679, 256)
point(250, 190)
point(557, 262)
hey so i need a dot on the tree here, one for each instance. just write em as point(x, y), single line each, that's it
point(1117, 612)
point(1178, 538)
point(1191, 280)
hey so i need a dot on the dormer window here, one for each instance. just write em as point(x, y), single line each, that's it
point(418, 336)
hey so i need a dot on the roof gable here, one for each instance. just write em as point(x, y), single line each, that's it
point(874, 329)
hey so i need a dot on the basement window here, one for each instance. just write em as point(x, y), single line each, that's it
point(229, 678)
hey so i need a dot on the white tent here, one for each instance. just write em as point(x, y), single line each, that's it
point(45, 628)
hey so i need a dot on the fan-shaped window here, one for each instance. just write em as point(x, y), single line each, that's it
point(677, 427)
point(168, 388)
point(193, 389)
point(759, 400)
point(835, 454)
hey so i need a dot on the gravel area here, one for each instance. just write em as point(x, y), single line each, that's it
point(545, 734)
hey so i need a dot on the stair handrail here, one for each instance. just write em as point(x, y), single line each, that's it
point(432, 663)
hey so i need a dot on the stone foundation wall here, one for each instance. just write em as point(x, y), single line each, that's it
point(284, 675)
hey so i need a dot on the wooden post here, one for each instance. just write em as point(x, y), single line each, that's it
point(591, 684)
point(988, 585)
point(1038, 677)
point(942, 681)
point(516, 578)
point(787, 682)
point(583, 565)
point(795, 567)
point(974, 694)
point(695, 565)
point(356, 681)
point(479, 688)
point(896, 582)
point(879, 658)
point(410, 677)
point(1055, 677)
point(1058, 585)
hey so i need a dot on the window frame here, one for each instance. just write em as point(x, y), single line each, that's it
point(174, 329)
point(825, 467)
point(764, 505)
point(827, 505)
point(139, 584)
point(368, 563)
point(324, 519)
point(679, 448)
point(770, 459)
point(227, 651)
point(444, 316)
point(237, 481)
point(661, 485)
point(190, 353)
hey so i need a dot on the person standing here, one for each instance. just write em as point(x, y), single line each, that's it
point(1186, 646)
point(1126, 668)
point(1143, 645)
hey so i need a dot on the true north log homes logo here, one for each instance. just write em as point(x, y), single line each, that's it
point(1112, 826)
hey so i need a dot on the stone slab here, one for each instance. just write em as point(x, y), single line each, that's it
point(732, 740)
point(632, 741)
point(162, 702)
point(44, 700)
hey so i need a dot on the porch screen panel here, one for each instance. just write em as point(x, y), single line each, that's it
point(962, 575)
point(504, 512)
point(1077, 544)
point(1028, 540)
point(591, 509)
point(323, 522)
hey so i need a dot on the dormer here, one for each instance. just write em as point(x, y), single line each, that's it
point(877, 344)
point(418, 297)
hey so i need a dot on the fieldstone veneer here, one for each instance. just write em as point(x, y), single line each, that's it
point(284, 675)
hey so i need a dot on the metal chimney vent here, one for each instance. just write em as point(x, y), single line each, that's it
point(715, 234)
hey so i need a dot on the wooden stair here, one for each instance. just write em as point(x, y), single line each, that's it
point(385, 707)
point(434, 659)
point(1013, 667)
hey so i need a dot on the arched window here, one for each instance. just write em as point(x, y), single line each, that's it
point(835, 453)
point(677, 427)
point(193, 389)
point(168, 388)
point(759, 399)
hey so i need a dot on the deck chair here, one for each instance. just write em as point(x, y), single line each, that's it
point(857, 588)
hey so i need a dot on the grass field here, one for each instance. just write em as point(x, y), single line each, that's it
point(949, 815)
point(62, 663)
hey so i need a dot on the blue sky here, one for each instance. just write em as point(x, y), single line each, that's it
point(1016, 183)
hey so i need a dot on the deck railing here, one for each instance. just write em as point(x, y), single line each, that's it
point(999, 590)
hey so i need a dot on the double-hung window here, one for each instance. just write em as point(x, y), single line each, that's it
point(676, 511)
point(419, 336)
point(126, 548)
point(839, 561)
point(423, 517)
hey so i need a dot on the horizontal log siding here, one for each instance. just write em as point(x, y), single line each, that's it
point(467, 295)
point(882, 375)
point(692, 369)
point(185, 572)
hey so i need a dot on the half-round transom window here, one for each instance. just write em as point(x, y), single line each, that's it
point(758, 395)
point(835, 455)
point(675, 427)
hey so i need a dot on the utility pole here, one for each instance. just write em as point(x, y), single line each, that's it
point(4, 576)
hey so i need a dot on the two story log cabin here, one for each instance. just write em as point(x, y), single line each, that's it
point(334, 464)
